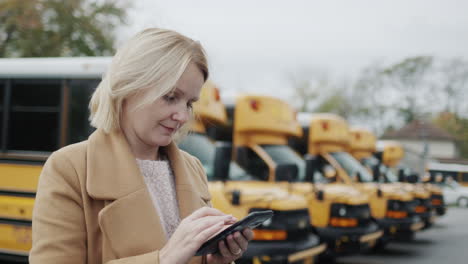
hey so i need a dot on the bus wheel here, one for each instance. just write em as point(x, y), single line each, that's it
point(462, 202)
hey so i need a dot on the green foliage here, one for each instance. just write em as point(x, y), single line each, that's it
point(51, 28)
point(336, 103)
point(457, 126)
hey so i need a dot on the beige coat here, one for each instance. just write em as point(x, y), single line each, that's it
point(93, 207)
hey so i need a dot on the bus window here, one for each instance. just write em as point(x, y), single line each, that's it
point(34, 115)
point(283, 154)
point(2, 99)
point(352, 166)
point(203, 148)
point(252, 163)
point(464, 177)
point(78, 125)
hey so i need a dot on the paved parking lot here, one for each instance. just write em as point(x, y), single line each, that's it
point(446, 242)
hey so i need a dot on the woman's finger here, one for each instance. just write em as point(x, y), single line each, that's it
point(223, 250)
point(203, 223)
point(241, 240)
point(234, 248)
point(207, 233)
point(248, 234)
point(205, 211)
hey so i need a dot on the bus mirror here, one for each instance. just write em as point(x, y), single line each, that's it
point(286, 172)
point(357, 176)
point(320, 195)
point(311, 167)
point(236, 196)
point(222, 160)
point(376, 173)
point(329, 172)
point(401, 175)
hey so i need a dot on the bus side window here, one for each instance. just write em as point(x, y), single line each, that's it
point(2, 99)
point(78, 124)
point(464, 178)
point(252, 163)
point(34, 115)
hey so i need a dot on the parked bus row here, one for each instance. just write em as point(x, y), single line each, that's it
point(333, 190)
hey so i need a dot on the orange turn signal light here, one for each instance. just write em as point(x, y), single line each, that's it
point(397, 214)
point(260, 234)
point(436, 202)
point(343, 222)
point(420, 209)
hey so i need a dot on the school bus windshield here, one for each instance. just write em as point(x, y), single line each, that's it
point(352, 166)
point(282, 154)
point(204, 149)
point(388, 175)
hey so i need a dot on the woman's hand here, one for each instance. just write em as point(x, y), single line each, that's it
point(191, 233)
point(235, 247)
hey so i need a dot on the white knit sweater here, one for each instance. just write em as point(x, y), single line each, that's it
point(160, 182)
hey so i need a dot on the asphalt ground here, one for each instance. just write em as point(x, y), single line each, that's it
point(445, 242)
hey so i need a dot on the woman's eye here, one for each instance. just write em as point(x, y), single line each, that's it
point(190, 105)
point(170, 98)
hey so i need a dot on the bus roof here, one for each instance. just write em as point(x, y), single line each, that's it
point(304, 118)
point(447, 167)
point(60, 67)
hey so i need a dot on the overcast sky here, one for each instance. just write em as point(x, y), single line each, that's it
point(254, 45)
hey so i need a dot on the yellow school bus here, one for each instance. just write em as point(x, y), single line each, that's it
point(326, 139)
point(390, 153)
point(287, 237)
point(44, 106)
point(339, 213)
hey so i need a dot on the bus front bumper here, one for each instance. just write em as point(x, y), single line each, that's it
point(404, 227)
point(345, 241)
point(290, 251)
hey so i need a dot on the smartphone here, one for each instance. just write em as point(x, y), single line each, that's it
point(251, 221)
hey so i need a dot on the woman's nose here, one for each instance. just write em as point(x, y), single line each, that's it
point(181, 116)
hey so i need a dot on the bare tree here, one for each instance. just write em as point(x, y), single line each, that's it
point(309, 85)
point(408, 78)
point(454, 85)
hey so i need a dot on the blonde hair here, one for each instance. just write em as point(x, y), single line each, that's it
point(154, 58)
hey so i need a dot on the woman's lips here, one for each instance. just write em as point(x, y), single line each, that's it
point(169, 129)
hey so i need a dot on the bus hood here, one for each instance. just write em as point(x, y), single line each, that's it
point(274, 196)
point(334, 192)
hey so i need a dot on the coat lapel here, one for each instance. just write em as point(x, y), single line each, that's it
point(129, 221)
point(188, 196)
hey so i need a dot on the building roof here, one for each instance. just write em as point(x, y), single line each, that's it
point(417, 129)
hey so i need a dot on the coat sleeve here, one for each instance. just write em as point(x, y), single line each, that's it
point(58, 226)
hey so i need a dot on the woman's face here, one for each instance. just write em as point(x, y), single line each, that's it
point(155, 124)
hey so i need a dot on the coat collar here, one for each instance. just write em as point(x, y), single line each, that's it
point(112, 168)
point(113, 173)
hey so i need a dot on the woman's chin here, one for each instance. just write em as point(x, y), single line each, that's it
point(162, 141)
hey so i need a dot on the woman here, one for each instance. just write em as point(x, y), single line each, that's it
point(128, 194)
